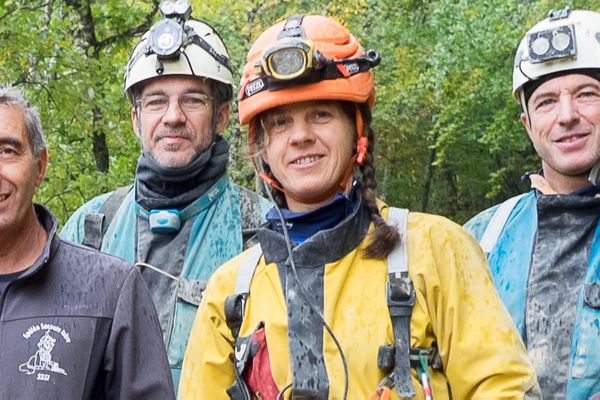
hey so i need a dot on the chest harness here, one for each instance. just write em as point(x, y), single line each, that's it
point(95, 226)
point(189, 290)
point(396, 359)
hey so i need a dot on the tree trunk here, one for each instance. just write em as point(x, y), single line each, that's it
point(428, 178)
point(100, 149)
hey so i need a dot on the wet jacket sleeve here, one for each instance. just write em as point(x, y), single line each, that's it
point(481, 350)
point(207, 366)
point(477, 225)
point(135, 360)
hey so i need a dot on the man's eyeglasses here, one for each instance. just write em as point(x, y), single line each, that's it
point(193, 102)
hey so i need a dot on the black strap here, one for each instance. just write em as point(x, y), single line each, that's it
point(401, 299)
point(234, 312)
point(95, 225)
point(194, 38)
point(292, 28)
point(334, 69)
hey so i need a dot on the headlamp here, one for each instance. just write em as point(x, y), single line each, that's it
point(176, 8)
point(552, 44)
point(166, 36)
point(291, 58)
point(295, 61)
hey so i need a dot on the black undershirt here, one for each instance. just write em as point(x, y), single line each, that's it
point(6, 279)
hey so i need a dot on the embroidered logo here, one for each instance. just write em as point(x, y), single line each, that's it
point(42, 361)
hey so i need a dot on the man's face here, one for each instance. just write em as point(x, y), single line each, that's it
point(177, 135)
point(564, 126)
point(20, 171)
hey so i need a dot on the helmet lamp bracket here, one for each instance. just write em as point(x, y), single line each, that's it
point(554, 15)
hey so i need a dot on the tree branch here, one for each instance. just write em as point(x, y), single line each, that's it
point(140, 29)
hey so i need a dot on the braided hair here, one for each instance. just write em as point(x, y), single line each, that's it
point(384, 237)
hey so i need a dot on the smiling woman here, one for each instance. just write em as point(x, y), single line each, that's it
point(321, 308)
point(308, 147)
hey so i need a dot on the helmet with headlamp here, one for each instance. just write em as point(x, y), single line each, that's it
point(177, 45)
point(566, 40)
point(305, 58)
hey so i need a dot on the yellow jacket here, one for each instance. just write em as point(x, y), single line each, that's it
point(456, 308)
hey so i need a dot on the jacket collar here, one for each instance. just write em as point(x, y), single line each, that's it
point(323, 247)
point(49, 224)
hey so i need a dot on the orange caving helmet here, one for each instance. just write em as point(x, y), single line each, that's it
point(305, 58)
point(344, 66)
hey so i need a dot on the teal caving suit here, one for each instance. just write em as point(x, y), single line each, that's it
point(546, 267)
point(213, 213)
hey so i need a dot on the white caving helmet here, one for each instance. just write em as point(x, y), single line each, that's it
point(176, 45)
point(566, 40)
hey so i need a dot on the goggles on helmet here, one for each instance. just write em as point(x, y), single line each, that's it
point(552, 44)
point(293, 61)
point(291, 58)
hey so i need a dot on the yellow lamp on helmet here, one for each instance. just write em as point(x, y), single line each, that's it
point(291, 58)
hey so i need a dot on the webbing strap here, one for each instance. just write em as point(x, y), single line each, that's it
point(497, 222)
point(401, 298)
point(397, 260)
point(235, 303)
point(92, 230)
point(246, 271)
point(95, 225)
point(190, 290)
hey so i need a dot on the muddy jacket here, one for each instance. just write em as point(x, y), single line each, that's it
point(546, 267)
point(208, 238)
point(79, 324)
point(456, 308)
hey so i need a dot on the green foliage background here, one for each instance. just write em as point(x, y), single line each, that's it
point(449, 138)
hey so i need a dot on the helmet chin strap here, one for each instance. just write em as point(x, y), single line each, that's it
point(593, 177)
point(358, 158)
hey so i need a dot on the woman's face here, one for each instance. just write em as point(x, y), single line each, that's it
point(308, 147)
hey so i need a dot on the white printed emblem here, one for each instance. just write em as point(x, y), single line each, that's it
point(255, 86)
point(42, 361)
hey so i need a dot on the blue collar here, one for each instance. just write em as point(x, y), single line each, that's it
point(302, 225)
point(590, 190)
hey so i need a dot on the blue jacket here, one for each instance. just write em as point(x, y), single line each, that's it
point(215, 236)
point(511, 262)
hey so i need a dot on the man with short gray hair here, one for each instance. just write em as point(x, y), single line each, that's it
point(74, 323)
